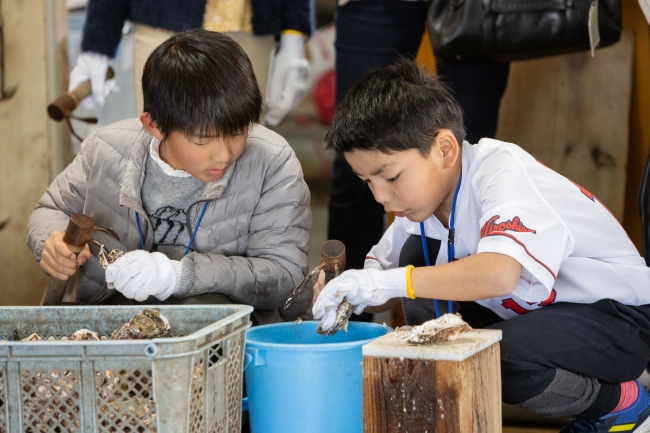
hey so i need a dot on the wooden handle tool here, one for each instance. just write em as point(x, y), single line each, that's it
point(76, 236)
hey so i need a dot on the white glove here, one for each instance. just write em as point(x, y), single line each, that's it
point(361, 288)
point(140, 274)
point(288, 78)
point(93, 67)
point(645, 6)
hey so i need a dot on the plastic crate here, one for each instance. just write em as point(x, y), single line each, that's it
point(189, 382)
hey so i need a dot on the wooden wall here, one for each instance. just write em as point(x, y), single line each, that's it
point(28, 142)
point(634, 20)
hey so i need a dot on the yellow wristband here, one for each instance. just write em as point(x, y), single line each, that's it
point(292, 32)
point(409, 282)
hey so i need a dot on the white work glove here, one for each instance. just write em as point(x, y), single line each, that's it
point(93, 67)
point(140, 274)
point(362, 288)
point(645, 6)
point(288, 78)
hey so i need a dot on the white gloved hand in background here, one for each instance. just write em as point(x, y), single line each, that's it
point(288, 78)
point(362, 288)
point(93, 67)
point(140, 274)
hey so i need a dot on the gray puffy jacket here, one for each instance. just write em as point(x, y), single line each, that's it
point(253, 241)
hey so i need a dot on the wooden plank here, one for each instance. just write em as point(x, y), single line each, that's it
point(24, 143)
point(408, 395)
point(572, 113)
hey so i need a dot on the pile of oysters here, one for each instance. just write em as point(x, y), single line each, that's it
point(146, 325)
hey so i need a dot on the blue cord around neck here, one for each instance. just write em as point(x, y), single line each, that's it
point(450, 243)
point(189, 245)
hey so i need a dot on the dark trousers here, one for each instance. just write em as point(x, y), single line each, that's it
point(374, 33)
point(606, 340)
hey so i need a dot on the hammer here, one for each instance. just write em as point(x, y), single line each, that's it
point(76, 236)
point(66, 103)
point(332, 255)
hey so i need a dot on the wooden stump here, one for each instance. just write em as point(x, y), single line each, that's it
point(452, 387)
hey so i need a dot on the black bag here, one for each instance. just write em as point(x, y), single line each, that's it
point(506, 30)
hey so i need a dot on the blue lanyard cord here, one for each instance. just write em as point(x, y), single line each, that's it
point(423, 236)
point(137, 220)
point(452, 231)
point(196, 229)
point(450, 244)
point(189, 245)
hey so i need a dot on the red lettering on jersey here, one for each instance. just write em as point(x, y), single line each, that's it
point(510, 303)
point(514, 225)
point(550, 299)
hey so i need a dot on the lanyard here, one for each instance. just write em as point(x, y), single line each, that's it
point(187, 249)
point(450, 243)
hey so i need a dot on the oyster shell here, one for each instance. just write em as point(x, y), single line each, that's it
point(343, 314)
point(33, 337)
point(445, 328)
point(84, 335)
point(106, 258)
point(148, 324)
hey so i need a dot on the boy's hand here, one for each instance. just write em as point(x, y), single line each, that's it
point(318, 287)
point(288, 78)
point(57, 259)
point(140, 274)
point(362, 288)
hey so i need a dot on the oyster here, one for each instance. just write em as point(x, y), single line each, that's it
point(343, 314)
point(33, 337)
point(84, 335)
point(445, 328)
point(148, 324)
point(106, 258)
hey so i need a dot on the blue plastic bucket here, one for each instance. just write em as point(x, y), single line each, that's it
point(299, 381)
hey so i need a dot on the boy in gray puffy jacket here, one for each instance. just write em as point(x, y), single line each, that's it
point(210, 206)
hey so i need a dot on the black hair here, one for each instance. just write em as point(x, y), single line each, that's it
point(201, 83)
point(395, 108)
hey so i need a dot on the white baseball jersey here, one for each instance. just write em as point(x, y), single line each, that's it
point(570, 246)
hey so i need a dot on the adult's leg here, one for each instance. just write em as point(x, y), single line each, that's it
point(369, 34)
point(479, 88)
point(570, 359)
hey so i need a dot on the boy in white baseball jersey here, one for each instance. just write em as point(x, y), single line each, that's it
point(515, 245)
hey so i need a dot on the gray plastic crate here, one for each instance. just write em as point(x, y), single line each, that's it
point(190, 382)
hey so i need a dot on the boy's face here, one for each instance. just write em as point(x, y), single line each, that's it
point(409, 184)
point(205, 158)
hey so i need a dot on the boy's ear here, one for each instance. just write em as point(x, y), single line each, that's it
point(448, 146)
point(150, 125)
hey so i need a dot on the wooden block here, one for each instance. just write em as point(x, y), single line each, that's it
point(452, 387)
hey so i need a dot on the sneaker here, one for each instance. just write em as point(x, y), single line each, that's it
point(635, 418)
